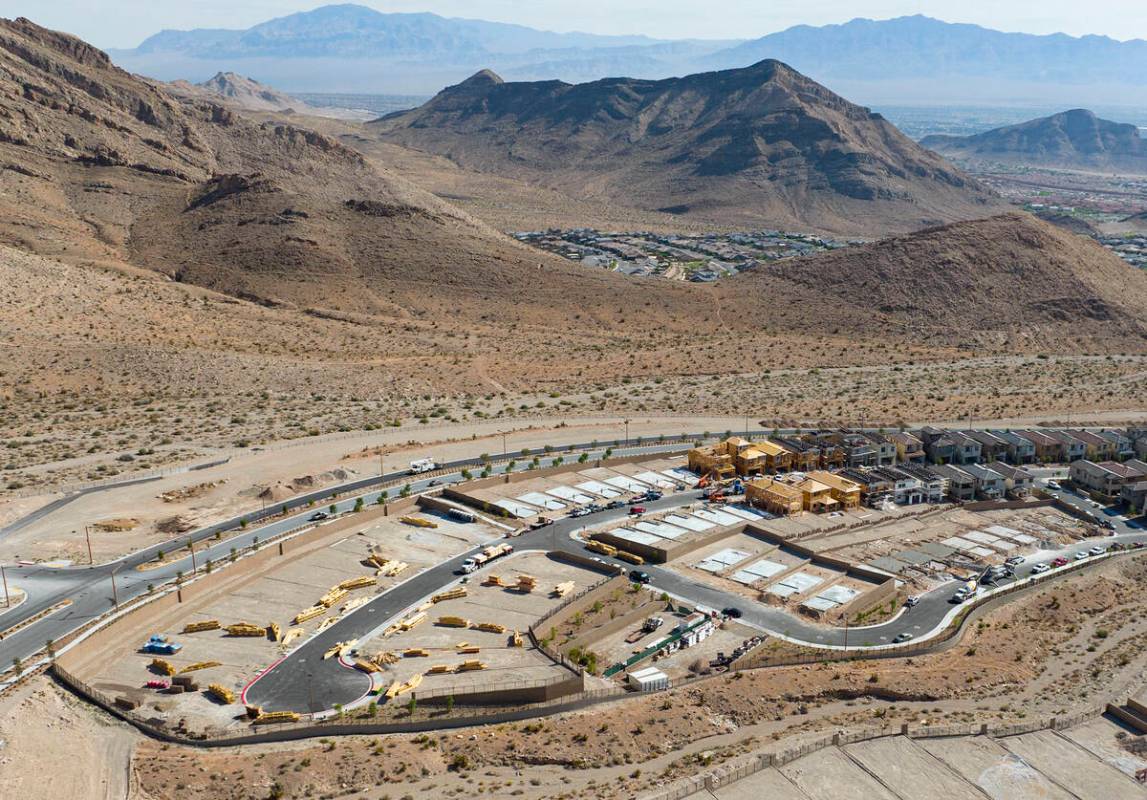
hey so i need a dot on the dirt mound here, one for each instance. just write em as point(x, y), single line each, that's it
point(762, 145)
point(176, 524)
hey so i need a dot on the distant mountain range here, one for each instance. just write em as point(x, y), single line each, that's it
point(908, 60)
point(761, 144)
point(1075, 139)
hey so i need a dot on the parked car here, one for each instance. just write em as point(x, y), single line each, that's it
point(1080, 555)
point(1041, 568)
point(318, 516)
point(1053, 484)
point(637, 510)
point(1015, 561)
point(615, 504)
point(1097, 550)
point(732, 612)
point(652, 495)
point(1059, 562)
point(911, 601)
point(435, 482)
point(637, 576)
point(579, 512)
point(901, 638)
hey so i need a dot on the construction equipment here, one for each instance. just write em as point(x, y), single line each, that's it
point(291, 635)
point(483, 558)
point(453, 622)
point(245, 629)
point(198, 665)
point(366, 665)
point(516, 639)
point(491, 627)
point(158, 644)
point(471, 665)
point(162, 666)
point(274, 632)
point(526, 583)
point(335, 594)
point(276, 716)
point(494, 580)
point(224, 694)
point(412, 621)
point(453, 594)
point(418, 522)
point(630, 557)
point(438, 669)
point(357, 583)
point(415, 652)
point(562, 589)
point(601, 547)
point(205, 625)
point(308, 613)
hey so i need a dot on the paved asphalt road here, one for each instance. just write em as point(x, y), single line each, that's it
point(304, 682)
point(90, 587)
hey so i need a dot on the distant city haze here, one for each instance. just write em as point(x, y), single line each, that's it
point(125, 23)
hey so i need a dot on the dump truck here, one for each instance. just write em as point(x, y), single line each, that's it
point(488, 554)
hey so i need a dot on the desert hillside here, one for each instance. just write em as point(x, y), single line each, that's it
point(1007, 282)
point(760, 146)
point(1075, 139)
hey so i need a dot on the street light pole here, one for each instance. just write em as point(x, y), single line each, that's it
point(627, 433)
point(115, 594)
point(88, 537)
point(191, 546)
point(7, 600)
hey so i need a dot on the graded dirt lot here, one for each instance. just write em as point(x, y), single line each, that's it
point(275, 594)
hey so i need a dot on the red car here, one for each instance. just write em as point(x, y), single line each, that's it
point(1059, 562)
point(637, 510)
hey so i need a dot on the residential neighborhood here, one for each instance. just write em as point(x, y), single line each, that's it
point(828, 471)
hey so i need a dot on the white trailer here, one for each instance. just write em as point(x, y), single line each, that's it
point(422, 465)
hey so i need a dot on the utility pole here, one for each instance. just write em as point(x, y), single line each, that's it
point(88, 537)
point(504, 451)
point(381, 467)
point(191, 546)
point(627, 433)
point(7, 600)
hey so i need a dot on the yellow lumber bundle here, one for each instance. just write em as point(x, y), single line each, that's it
point(460, 645)
point(453, 594)
point(162, 665)
point(245, 629)
point(291, 635)
point(491, 627)
point(527, 583)
point(340, 648)
point(366, 665)
point(224, 694)
point(425, 606)
point(562, 589)
point(453, 622)
point(353, 604)
point(469, 650)
point(516, 639)
point(392, 568)
point(357, 583)
point(414, 682)
point(601, 547)
point(438, 669)
point(392, 690)
point(415, 652)
point(326, 623)
point(333, 596)
point(276, 716)
point(205, 625)
point(308, 613)
point(274, 632)
point(630, 557)
point(378, 560)
point(384, 657)
point(493, 580)
point(413, 620)
point(200, 665)
point(470, 665)
point(418, 522)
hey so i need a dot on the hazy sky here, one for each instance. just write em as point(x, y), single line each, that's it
point(124, 23)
